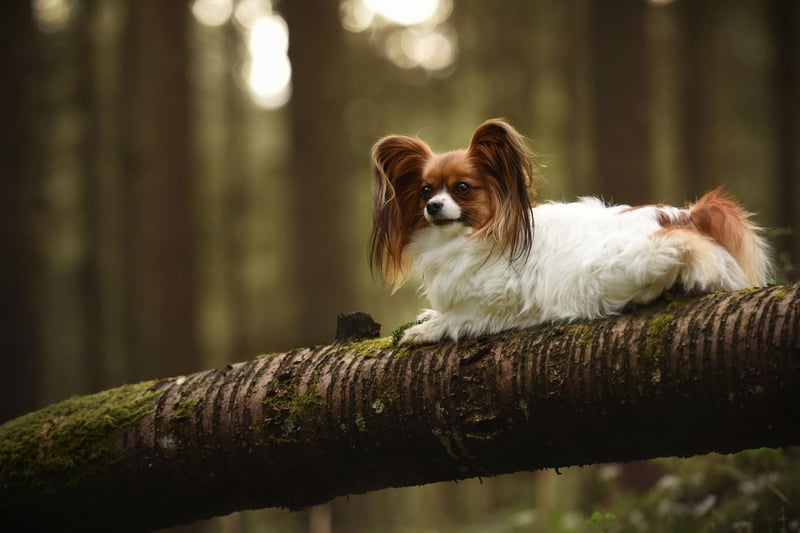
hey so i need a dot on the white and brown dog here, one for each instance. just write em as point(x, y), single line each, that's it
point(490, 261)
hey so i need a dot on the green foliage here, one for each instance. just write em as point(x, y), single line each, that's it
point(752, 491)
point(756, 490)
point(600, 521)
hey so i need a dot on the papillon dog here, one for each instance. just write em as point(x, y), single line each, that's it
point(492, 260)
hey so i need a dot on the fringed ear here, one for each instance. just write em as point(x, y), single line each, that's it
point(398, 162)
point(502, 155)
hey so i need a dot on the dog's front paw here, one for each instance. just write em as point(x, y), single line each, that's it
point(428, 330)
point(418, 334)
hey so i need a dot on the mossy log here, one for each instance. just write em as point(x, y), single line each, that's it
point(688, 376)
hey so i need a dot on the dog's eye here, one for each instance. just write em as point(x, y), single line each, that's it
point(462, 187)
point(427, 190)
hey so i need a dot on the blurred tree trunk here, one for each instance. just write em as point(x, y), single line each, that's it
point(562, 96)
point(696, 18)
point(731, 128)
point(668, 164)
point(621, 98)
point(508, 60)
point(101, 60)
point(718, 373)
point(785, 17)
point(21, 174)
point(320, 198)
point(157, 191)
point(61, 118)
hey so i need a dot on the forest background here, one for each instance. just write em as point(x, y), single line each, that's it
point(186, 184)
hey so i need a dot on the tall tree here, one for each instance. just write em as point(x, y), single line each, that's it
point(158, 191)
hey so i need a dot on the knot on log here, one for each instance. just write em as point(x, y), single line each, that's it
point(356, 326)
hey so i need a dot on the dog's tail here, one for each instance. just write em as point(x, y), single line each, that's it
point(718, 216)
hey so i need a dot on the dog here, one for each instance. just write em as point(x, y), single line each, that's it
point(491, 260)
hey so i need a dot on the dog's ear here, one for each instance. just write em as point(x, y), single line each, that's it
point(502, 156)
point(398, 163)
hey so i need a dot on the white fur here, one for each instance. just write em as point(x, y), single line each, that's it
point(588, 260)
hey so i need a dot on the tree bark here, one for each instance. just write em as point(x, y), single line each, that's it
point(688, 376)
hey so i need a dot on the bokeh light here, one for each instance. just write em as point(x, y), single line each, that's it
point(269, 71)
point(212, 12)
point(247, 12)
point(432, 50)
point(411, 34)
point(53, 15)
point(356, 16)
point(405, 13)
point(266, 70)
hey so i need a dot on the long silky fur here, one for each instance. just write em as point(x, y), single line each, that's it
point(398, 162)
point(497, 150)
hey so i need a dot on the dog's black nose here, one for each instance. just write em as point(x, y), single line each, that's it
point(434, 207)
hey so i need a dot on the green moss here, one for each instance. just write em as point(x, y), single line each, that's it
point(658, 330)
point(679, 301)
point(398, 332)
point(783, 292)
point(584, 333)
point(368, 347)
point(289, 409)
point(305, 405)
point(185, 409)
point(71, 441)
point(713, 295)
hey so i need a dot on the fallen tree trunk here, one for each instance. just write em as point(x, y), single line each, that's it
point(715, 373)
